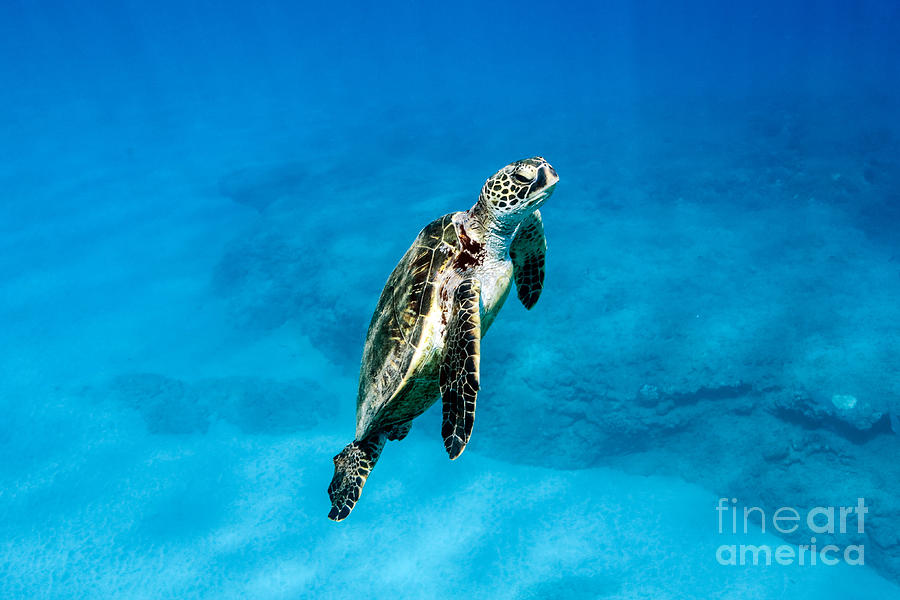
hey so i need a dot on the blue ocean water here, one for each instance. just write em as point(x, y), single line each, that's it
point(201, 204)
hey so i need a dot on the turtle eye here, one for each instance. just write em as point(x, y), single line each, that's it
point(520, 178)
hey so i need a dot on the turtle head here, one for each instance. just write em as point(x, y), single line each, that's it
point(517, 190)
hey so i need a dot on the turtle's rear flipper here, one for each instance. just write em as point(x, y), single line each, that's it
point(351, 468)
point(398, 432)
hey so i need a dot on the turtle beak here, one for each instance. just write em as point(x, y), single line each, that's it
point(552, 177)
point(546, 177)
point(544, 184)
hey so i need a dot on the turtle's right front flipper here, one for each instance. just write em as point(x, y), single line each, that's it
point(459, 375)
point(528, 252)
point(351, 468)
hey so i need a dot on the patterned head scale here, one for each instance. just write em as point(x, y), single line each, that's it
point(519, 188)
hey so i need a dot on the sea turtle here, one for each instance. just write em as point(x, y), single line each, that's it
point(425, 336)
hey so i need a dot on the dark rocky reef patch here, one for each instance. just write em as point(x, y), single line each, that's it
point(260, 186)
point(256, 405)
point(270, 276)
point(844, 415)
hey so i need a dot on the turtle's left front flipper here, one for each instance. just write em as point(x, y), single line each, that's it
point(459, 376)
point(527, 252)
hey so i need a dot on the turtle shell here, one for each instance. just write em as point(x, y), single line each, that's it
point(398, 376)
